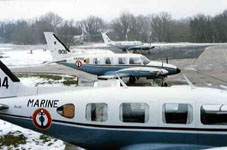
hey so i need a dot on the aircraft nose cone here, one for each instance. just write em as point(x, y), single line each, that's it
point(178, 70)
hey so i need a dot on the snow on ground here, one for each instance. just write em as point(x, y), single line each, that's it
point(15, 56)
point(34, 140)
point(25, 58)
point(223, 87)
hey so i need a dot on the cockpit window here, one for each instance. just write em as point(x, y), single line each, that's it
point(135, 60)
point(134, 112)
point(96, 61)
point(121, 60)
point(145, 60)
point(214, 114)
point(67, 110)
point(177, 113)
point(96, 112)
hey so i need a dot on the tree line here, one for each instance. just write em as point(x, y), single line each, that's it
point(150, 28)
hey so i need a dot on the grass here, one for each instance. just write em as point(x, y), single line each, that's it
point(45, 138)
point(70, 82)
point(12, 139)
point(51, 79)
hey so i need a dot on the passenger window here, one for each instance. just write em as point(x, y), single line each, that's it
point(67, 110)
point(134, 112)
point(177, 113)
point(108, 61)
point(96, 61)
point(96, 112)
point(121, 60)
point(214, 114)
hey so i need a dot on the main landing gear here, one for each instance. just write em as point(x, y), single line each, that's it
point(132, 80)
point(160, 82)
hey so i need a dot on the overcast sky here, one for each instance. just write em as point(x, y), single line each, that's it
point(107, 9)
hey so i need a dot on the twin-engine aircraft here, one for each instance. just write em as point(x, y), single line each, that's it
point(80, 38)
point(118, 117)
point(109, 65)
point(126, 45)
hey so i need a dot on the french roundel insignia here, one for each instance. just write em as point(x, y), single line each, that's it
point(41, 118)
point(78, 64)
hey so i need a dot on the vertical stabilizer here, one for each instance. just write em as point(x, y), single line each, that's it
point(57, 48)
point(106, 39)
point(9, 83)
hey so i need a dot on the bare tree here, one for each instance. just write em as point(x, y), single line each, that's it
point(124, 26)
point(67, 31)
point(94, 25)
point(160, 27)
point(53, 19)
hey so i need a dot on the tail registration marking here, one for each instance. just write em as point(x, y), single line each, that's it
point(4, 82)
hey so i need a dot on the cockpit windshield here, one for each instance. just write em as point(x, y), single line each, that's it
point(139, 60)
point(145, 60)
point(135, 60)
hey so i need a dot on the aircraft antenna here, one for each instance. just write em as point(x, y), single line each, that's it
point(189, 82)
point(122, 82)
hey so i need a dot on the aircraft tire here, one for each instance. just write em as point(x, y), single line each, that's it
point(132, 80)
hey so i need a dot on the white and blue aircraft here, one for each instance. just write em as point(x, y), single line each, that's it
point(126, 45)
point(80, 38)
point(109, 65)
point(118, 117)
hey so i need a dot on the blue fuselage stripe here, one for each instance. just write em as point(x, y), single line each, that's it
point(102, 69)
point(102, 136)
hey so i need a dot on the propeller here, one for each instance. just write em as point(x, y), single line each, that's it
point(167, 60)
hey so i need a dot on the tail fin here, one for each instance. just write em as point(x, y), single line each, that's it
point(106, 39)
point(58, 50)
point(84, 31)
point(9, 83)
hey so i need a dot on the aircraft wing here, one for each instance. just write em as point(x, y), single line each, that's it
point(3, 107)
point(163, 146)
point(142, 47)
point(136, 72)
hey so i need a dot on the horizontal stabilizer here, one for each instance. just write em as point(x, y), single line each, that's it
point(3, 107)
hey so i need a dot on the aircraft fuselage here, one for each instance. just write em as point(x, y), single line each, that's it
point(44, 113)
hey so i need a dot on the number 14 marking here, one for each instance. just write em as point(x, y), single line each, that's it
point(4, 82)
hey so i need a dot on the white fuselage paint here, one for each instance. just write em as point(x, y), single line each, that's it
point(154, 97)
